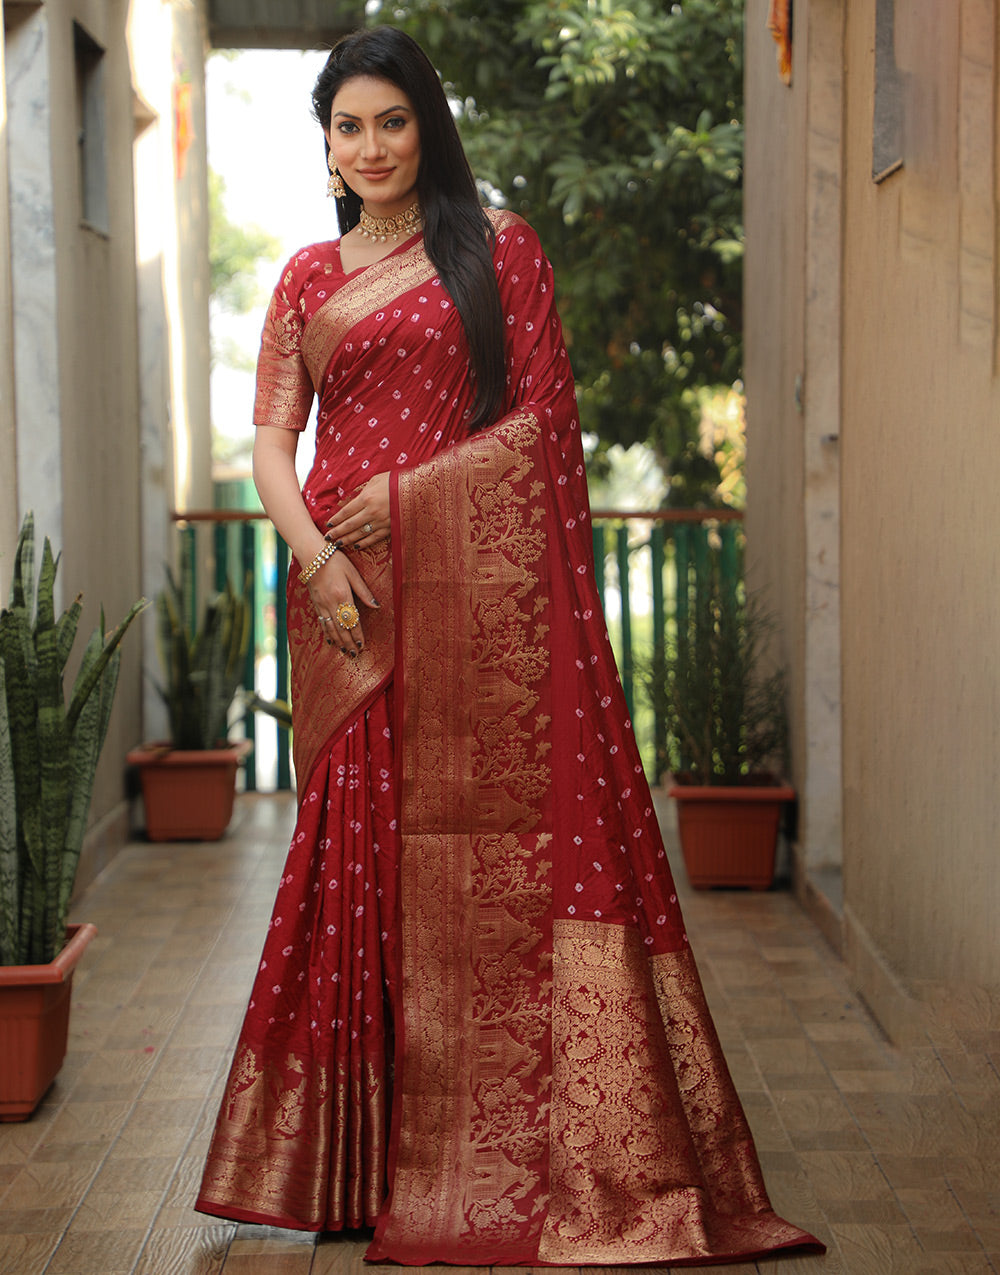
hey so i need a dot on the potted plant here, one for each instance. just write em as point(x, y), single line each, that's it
point(189, 782)
point(726, 725)
point(48, 756)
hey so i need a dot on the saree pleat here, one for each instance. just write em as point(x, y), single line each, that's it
point(301, 1136)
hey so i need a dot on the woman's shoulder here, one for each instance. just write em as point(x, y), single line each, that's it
point(515, 236)
point(303, 265)
point(503, 219)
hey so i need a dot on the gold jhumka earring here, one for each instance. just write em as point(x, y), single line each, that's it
point(335, 188)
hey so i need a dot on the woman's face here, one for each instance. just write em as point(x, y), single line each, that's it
point(375, 140)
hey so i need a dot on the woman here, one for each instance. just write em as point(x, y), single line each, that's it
point(476, 1026)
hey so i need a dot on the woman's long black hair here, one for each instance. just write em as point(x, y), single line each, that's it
point(457, 234)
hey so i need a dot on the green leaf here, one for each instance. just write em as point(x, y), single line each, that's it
point(54, 773)
point(88, 740)
point(66, 629)
point(45, 617)
point(23, 581)
point(88, 676)
point(22, 716)
point(10, 876)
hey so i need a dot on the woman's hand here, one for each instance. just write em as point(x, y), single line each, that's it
point(335, 587)
point(364, 520)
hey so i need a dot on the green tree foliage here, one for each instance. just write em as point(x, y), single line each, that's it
point(233, 253)
point(616, 130)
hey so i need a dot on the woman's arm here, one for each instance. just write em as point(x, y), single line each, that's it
point(278, 487)
point(338, 581)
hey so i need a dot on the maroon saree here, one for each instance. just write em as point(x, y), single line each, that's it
point(476, 888)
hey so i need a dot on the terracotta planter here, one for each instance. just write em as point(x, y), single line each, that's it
point(34, 1025)
point(729, 835)
point(188, 794)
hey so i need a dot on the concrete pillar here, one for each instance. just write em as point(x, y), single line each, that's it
point(8, 441)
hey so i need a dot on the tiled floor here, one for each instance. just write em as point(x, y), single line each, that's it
point(892, 1157)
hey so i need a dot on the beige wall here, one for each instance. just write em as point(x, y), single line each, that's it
point(98, 373)
point(921, 400)
point(898, 327)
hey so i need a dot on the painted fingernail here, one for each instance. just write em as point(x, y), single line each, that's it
point(375, 602)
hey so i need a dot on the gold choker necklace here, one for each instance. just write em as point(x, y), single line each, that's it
point(378, 229)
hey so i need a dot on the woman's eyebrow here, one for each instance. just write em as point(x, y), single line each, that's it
point(391, 110)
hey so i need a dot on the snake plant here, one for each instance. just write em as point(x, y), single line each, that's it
point(48, 752)
point(202, 671)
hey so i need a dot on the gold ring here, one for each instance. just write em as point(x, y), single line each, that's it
point(347, 615)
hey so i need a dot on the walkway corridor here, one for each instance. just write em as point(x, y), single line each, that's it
point(893, 1158)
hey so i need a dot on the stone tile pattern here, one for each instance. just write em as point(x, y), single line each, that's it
point(891, 1156)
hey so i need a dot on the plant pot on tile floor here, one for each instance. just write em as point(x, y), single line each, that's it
point(722, 704)
point(34, 1025)
point(188, 792)
point(729, 835)
point(48, 757)
point(188, 783)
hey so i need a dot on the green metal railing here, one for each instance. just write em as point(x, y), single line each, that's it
point(655, 568)
point(651, 568)
point(242, 545)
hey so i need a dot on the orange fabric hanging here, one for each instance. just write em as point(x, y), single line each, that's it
point(183, 125)
point(779, 23)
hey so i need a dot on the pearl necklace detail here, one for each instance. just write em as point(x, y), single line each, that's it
point(378, 229)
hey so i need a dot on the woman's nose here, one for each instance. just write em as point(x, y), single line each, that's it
point(372, 144)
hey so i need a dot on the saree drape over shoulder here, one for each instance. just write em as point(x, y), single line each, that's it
point(477, 1024)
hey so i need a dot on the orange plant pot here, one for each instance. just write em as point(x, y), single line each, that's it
point(729, 836)
point(188, 794)
point(34, 1025)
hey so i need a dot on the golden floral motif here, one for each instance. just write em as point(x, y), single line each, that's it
point(476, 1074)
point(284, 391)
point(286, 330)
point(667, 1169)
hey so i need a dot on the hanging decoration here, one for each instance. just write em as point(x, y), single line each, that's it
point(183, 125)
point(779, 23)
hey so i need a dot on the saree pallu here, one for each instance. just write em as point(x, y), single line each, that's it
point(561, 1096)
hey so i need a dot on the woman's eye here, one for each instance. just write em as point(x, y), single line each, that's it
point(396, 121)
point(346, 127)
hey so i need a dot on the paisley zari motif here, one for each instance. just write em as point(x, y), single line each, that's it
point(476, 893)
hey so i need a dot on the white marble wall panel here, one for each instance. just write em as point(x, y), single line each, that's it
point(33, 276)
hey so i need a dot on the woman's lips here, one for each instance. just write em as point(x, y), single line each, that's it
point(375, 174)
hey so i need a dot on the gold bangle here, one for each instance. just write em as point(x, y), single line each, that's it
point(324, 555)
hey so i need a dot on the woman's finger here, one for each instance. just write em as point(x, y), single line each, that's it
point(337, 602)
point(360, 531)
point(365, 519)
